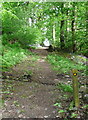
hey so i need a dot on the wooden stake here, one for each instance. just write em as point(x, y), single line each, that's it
point(75, 87)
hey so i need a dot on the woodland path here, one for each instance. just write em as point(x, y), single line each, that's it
point(36, 97)
point(31, 90)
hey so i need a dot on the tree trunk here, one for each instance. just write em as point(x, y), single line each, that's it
point(54, 34)
point(66, 32)
point(86, 20)
point(73, 29)
point(62, 44)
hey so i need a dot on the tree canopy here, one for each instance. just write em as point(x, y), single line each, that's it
point(64, 24)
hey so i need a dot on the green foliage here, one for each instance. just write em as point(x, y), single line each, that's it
point(6, 92)
point(71, 105)
point(29, 72)
point(85, 106)
point(16, 103)
point(0, 44)
point(57, 104)
point(61, 111)
point(1, 103)
point(74, 115)
point(16, 26)
point(34, 58)
point(10, 22)
point(27, 35)
point(65, 87)
point(12, 55)
point(62, 64)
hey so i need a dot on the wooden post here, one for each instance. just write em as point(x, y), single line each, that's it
point(75, 87)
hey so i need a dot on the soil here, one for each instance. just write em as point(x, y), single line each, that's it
point(33, 95)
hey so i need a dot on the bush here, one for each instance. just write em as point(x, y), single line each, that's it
point(10, 22)
point(28, 35)
point(15, 30)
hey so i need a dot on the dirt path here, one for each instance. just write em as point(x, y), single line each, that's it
point(36, 98)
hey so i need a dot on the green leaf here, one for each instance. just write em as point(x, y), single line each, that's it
point(74, 115)
point(6, 92)
point(62, 111)
point(57, 104)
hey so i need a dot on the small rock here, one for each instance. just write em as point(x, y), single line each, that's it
point(23, 106)
point(26, 80)
point(24, 117)
point(7, 77)
point(69, 81)
point(18, 111)
point(67, 76)
point(85, 98)
point(53, 111)
point(45, 116)
point(45, 108)
point(56, 79)
point(10, 111)
point(80, 95)
point(20, 116)
point(82, 89)
point(11, 93)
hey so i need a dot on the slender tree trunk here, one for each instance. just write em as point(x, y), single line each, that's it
point(66, 32)
point(87, 19)
point(54, 34)
point(66, 21)
point(62, 44)
point(73, 29)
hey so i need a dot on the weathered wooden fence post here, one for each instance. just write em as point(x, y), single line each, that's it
point(75, 87)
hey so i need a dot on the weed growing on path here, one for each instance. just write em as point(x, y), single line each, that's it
point(65, 87)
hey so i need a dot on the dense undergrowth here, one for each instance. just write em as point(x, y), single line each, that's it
point(64, 64)
point(12, 55)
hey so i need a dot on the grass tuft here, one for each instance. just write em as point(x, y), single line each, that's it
point(65, 87)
